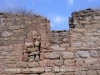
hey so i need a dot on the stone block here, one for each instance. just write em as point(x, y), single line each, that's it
point(69, 73)
point(4, 53)
point(74, 39)
point(48, 73)
point(37, 58)
point(58, 62)
point(48, 69)
point(21, 64)
point(66, 39)
point(88, 26)
point(82, 72)
point(34, 74)
point(69, 62)
point(72, 69)
point(43, 44)
point(84, 22)
point(13, 58)
point(54, 46)
point(96, 34)
point(95, 66)
point(28, 44)
point(97, 26)
point(75, 21)
point(55, 69)
point(7, 61)
point(68, 55)
point(83, 68)
point(36, 43)
point(55, 34)
point(93, 39)
point(34, 53)
point(32, 64)
point(97, 43)
point(25, 57)
point(37, 70)
point(14, 53)
point(91, 45)
point(79, 62)
point(33, 33)
point(77, 73)
point(79, 30)
point(92, 72)
point(96, 17)
point(14, 27)
point(39, 37)
point(98, 72)
point(2, 19)
point(41, 55)
point(31, 58)
point(6, 34)
point(89, 34)
point(52, 55)
point(82, 54)
point(64, 45)
point(64, 33)
point(32, 49)
point(76, 44)
point(11, 65)
point(57, 48)
point(43, 63)
point(50, 63)
point(90, 61)
point(89, 18)
point(99, 53)
point(74, 35)
point(93, 53)
point(56, 41)
point(62, 74)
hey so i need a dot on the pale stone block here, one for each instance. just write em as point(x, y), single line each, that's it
point(52, 55)
point(68, 55)
point(82, 54)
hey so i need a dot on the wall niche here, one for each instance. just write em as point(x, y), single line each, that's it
point(32, 47)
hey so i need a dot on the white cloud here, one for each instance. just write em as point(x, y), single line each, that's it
point(58, 22)
point(70, 2)
point(59, 19)
point(43, 0)
point(13, 3)
point(9, 3)
point(90, 1)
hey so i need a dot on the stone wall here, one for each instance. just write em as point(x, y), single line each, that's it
point(85, 41)
point(21, 37)
point(28, 47)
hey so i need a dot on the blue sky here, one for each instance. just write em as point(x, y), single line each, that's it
point(57, 11)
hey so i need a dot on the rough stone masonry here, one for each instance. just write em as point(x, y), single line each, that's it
point(28, 47)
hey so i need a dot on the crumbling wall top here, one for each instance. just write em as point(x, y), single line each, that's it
point(87, 12)
point(83, 17)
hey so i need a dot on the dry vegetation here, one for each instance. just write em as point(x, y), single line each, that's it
point(21, 11)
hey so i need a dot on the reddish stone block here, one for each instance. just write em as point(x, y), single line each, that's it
point(21, 64)
point(42, 55)
point(25, 57)
point(43, 44)
point(69, 62)
point(92, 72)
